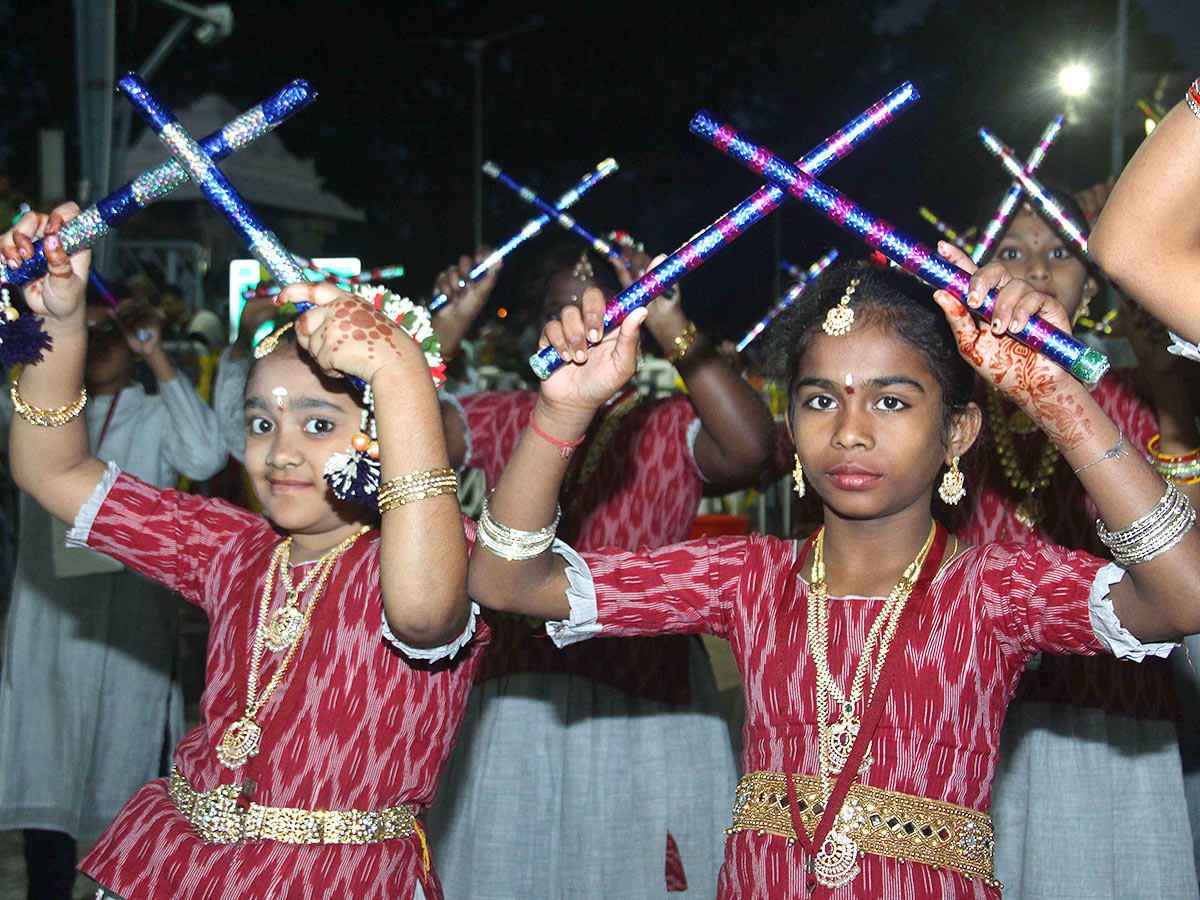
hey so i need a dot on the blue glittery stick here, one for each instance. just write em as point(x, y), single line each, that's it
point(735, 222)
point(533, 226)
point(556, 215)
point(95, 222)
point(259, 240)
point(805, 279)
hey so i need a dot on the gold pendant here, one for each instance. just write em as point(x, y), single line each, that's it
point(239, 743)
point(285, 628)
point(839, 740)
point(1028, 512)
point(836, 862)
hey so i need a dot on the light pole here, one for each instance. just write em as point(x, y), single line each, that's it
point(476, 46)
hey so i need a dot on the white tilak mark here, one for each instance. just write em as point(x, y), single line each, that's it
point(280, 395)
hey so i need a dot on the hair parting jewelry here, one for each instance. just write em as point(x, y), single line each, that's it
point(47, 418)
point(1193, 97)
point(267, 345)
point(1154, 533)
point(565, 448)
point(839, 318)
point(511, 544)
point(416, 486)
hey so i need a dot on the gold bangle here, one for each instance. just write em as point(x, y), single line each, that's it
point(416, 486)
point(683, 343)
point(47, 418)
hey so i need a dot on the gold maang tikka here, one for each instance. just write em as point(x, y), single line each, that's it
point(271, 341)
point(839, 318)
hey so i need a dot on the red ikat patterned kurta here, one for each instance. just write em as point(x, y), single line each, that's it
point(1143, 690)
point(986, 614)
point(363, 728)
point(643, 492)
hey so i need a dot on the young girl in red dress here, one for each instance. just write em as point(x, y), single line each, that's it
point(319, 741)
point(880, 654)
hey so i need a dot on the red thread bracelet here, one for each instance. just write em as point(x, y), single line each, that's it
point(565, 448)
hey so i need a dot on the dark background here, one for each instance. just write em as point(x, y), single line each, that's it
point(391, 131)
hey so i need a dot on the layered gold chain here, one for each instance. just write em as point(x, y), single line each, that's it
point(1004, 425)
point(242, 738)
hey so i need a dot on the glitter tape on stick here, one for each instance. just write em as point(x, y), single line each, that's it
point(932, 218)
point(731, 225)
point(806, 278)
point(914, 257)
point(384, 273)
point(556, 215)
point(534, 226)
point(1050, 208)
point(96, 221)
point(259, 240)
point(1008, 206)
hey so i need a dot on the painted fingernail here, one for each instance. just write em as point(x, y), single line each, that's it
point(997, 326)
point(50, 242)
point(12, 263)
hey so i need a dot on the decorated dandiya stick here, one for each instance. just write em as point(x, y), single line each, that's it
point(259, 240)
point(1050, 208)
point(1149, 111)
point(534, 226)
point(914, 257)
point(806, 277)
point(383, 273)
point(1008, 206)
point(102, 288)
point(943, 228)
point(96, 221)
point(556, 215)
point(735, 222)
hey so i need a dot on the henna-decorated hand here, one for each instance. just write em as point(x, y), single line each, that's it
point(58, 295)
point(346, 334)
point(592, 374)
point(1048, 393)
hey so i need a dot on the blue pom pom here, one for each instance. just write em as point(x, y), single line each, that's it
point(22, 341)
point(354, 476)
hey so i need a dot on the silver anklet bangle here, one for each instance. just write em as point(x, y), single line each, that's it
point(1154, 533)
point(511, 544)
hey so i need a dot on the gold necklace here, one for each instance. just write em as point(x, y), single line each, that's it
point(242, 738)
point(288, 622)
point(836, 862)
point(1029, 509)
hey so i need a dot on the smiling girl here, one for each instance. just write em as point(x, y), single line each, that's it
point(880, 654)
point(318, 742)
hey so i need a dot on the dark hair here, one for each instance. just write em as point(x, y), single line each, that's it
point(563, 257)
point(1058, 193)
point(888, 298)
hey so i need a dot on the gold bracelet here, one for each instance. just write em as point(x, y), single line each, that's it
point(47, 418)
point(683, 343)
point(416, 486)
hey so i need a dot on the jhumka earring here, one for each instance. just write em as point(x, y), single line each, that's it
point(798, 474)
point(839, 318)
point(954, 485)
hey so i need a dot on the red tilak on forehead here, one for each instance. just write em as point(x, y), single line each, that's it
point(849, 383)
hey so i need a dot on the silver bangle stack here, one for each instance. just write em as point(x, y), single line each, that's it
point(1154, 533)
point(512, 544)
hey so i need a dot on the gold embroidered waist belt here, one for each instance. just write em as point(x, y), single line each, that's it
point(886, 823)
point(219, 819)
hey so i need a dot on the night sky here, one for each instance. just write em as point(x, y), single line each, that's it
point(391, 131)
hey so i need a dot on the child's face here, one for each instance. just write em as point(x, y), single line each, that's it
point(867, 424)
point(1031, 250)
point(296, 419)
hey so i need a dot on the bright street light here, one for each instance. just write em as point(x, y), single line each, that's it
point(1075, 80)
